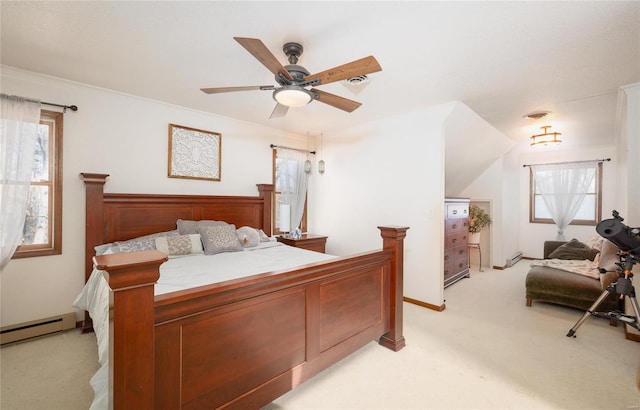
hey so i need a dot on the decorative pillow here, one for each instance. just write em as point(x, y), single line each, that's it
point(179, 245)
point(142, 243)
point(574, 250)
point(187, 227)
point(263, 236)
point(248, 236)
point(219, 238)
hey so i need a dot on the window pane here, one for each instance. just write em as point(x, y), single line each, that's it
point(286, 172)
point(40, 170)
point(36, 226)
point(587, 210)
point(541, 209)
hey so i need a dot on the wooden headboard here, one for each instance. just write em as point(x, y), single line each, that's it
point(117, 217)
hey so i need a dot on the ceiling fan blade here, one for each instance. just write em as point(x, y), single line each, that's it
point(336, 101)
point(257, 49)
point(217, 90)
point(279, 111)
point(358, 67)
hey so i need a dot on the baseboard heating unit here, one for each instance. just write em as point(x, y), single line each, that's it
point(514, 259)
point(35, 328)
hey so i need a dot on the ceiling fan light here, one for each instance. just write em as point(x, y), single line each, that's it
point(292, 96)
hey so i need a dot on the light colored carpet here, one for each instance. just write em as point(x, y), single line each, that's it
point(486, 350)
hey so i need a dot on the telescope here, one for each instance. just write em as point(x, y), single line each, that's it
point(625, 238)
point(628, 242)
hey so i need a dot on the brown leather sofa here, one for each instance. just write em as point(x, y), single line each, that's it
point(547, 284)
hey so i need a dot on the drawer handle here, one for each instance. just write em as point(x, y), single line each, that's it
point(454, 240)
point(454, 226)
point(446, 257)
point(455, 212)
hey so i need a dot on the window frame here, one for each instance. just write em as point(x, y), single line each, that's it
point(584, 222)
point(274, 206)
point(54, 246)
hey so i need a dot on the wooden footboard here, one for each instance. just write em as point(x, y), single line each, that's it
point(243, 343)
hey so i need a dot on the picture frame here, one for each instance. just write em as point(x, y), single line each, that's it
point(194, 153)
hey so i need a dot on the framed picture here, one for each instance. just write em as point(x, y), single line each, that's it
point(193, 153)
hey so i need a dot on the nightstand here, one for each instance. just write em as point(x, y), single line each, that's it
point(308, 241)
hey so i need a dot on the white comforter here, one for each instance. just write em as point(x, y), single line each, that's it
point(203, 270)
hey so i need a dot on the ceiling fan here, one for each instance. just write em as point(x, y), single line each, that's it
point(296, 84)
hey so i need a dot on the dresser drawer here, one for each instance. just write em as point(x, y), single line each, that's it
point(457, 211)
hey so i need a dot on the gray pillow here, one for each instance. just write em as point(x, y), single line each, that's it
point(187, 227)
point(263, 236)
point(248, 236)
point(219, 238)
point(574, 250)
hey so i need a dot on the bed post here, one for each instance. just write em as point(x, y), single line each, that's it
point(393, 240)
point(131, 277)
point(94, 229)
point(94, 192)
point(266, 193)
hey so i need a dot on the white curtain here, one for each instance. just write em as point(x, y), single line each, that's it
point(18, 133)
point(291, 180)
point(563, 188)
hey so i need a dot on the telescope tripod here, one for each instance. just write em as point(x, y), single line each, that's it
point(624, 287)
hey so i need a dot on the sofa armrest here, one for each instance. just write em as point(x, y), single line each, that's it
point(550, 246)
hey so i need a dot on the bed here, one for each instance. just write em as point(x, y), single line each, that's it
point(242, 342)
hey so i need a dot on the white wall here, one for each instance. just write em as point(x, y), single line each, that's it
point(126, 137)
point(390, 172)
point(628, 138)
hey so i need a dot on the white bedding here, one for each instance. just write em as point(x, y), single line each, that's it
point(203, 270)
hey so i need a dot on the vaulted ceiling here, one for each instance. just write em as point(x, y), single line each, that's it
point(501, 59)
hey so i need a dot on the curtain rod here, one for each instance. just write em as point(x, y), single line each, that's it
point(71, 107)
point(273, 146)
point(569, 162)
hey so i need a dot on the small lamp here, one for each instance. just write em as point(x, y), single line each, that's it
point(285, 218)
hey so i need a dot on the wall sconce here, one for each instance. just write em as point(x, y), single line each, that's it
point(546, 138)
point(321, 162)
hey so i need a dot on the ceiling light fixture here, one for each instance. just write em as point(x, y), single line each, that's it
point(293, 96)
point(546, 138)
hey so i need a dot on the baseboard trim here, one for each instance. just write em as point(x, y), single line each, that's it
point(425, 304)
point(631, 335)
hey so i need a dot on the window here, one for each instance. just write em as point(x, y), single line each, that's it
point(282, 171)
point(42, 232)
point(590, 212)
